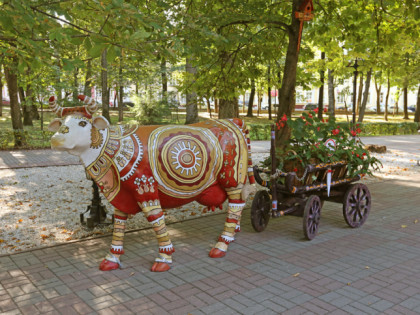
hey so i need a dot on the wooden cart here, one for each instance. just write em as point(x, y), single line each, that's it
point(305, 196)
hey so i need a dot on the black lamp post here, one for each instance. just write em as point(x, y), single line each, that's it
point(355, 66)
point(97, 211)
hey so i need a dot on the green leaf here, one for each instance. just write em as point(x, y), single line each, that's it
point(96, 50)
point(140, 34)
point(87, 44)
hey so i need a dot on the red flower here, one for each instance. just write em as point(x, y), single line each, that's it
point(295, 170)
point(284, 118)
point(307, 124)
point(322, 120)
point(310, 115)
point(335, 132)
point(364, 153)
point(353, 133)
point(281, 125)
point(319, 128)
point(316, 110)
point(357, 155)
point(325, 109)
point(303, 117)
point(358, 130)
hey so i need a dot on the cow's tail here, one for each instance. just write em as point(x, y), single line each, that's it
point(251, 187)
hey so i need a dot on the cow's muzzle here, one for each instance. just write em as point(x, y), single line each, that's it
point(57, 141)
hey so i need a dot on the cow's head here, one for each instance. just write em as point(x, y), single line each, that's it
point(76, 130)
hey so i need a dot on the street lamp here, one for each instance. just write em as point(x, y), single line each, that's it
point(355, 66)
point(97, 211)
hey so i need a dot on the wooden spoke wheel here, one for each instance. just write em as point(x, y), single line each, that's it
point(260, 210)
point(311, 216)
point(356, 205)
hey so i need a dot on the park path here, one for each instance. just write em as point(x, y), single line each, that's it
point(371, 270)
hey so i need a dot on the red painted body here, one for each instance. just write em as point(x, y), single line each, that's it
point(234, 148)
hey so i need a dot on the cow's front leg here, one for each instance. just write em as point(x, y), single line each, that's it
point(232, 225)
point(112, 260)
point(155, 216)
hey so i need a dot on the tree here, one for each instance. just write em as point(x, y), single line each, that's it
point(192, 109)
point(417, 113)
point(287, 90)
point(12, 85)
point(365, 96)
point(104, 85)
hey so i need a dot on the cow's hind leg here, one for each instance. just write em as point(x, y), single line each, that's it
point(235, 207)
point(155, 216)
point(112, 260)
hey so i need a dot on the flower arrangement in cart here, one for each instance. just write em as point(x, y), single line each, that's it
point(313, 140)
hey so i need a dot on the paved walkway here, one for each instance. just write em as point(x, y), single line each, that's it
point(371, 270)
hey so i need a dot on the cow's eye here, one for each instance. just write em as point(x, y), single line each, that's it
point(82, 123)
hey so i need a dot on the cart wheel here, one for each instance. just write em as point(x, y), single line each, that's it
point(311, 216)
point(260, 210)
point(356, 205)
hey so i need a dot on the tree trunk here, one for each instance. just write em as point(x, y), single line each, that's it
point(269, 92)
point(406, 103)
point(228, 108)
point(88, 79)
point(331, 95)
point(321, 89)
point(417, 113)
point(397, 99)
point(251, 99)
point(208, 106)
point(75, 85)
point(104, 84)
point(287, 91)
point(378, 97)
point(12, 85)
point(258, 103)
point(26, 109)
point(279, 84)
point(31, 102)
point(360, 93)
point(191, 107)
point(121, 93)
point(365, 96)
point(1, 93)
point(387, 98)
point(164, 76)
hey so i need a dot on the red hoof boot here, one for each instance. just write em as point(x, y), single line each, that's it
point(107, 265)
point(160, 267)
point(217, 253)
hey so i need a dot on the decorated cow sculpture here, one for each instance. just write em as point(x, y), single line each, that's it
point(147, 168)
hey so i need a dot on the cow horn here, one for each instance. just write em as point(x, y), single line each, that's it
point(55, 107)
point(91, 105)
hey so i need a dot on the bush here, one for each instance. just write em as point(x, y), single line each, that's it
point(262, 131)
point(35, 138)
point(150, 110)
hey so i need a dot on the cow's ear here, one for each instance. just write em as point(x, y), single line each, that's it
point(100, 122)
point(54, 125)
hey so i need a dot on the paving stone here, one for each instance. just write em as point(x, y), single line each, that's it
point(256, 276)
